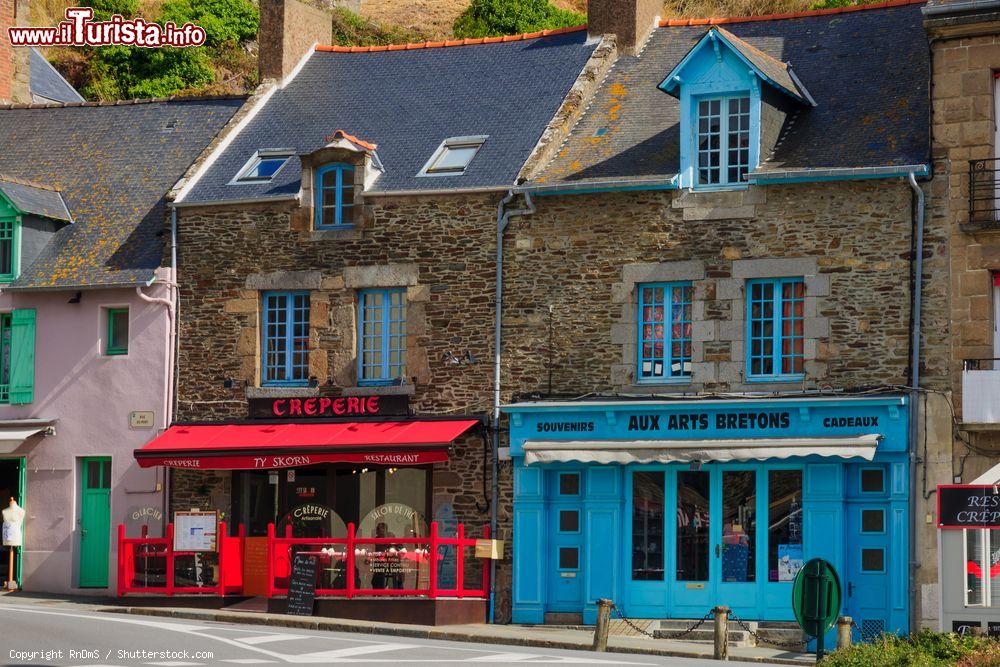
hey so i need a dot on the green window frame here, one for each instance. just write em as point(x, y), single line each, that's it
point(10, 248)
point(114, 331)
point(5, 350)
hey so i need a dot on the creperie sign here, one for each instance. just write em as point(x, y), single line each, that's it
point(319, 407)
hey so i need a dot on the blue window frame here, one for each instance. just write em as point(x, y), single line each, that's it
point(775, 325)
point(382, 336)
point(334, 196)
point(723, 140)
point(665, 332)
point(286, 339)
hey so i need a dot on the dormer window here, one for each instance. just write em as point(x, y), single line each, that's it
point(335, 196)
point(723, 140)
point(453, 156)
point(34, 207)
point(734, 99)
point(8, 249)
point(262, 167)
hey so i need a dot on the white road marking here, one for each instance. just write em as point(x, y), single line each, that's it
point(504, 657)
point(263, 639)
point(336, 654)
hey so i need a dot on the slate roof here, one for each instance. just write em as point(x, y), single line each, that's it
point(409, 101)
point(113, 165)
point(769, 66)
point(46, 83)
point(867, 70)
point(35, 199)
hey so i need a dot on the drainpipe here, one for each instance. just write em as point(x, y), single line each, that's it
point(503, 216)
point(918, 284)
point(170, 375)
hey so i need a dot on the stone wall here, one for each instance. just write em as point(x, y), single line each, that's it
point(582, 257)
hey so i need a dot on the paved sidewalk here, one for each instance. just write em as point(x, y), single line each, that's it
point(516, 635)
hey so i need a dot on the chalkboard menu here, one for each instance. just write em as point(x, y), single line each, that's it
point(968, 506)
point(302, 586)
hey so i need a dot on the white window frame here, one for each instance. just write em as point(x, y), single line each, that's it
point(984, 561)
point(453, 142)
point(257, 158)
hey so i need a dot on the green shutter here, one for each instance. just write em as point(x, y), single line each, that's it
point(22, 356)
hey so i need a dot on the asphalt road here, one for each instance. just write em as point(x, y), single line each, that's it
point(33, 636)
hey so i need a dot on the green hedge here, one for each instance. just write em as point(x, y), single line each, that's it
point(923, 649)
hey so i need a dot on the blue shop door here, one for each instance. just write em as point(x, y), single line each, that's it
point(696, 548)
point(868, 561)
point(565, 520)
point(735, 536)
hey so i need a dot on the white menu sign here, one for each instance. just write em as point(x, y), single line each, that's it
point(196, 531)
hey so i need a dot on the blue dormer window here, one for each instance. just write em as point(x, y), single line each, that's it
point(723, 84)
point(723, 140)
point(335, 196)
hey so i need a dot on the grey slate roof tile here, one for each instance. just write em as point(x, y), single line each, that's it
point(407, 102)
point(113, 165)
point(867, 71)
point(35, 199)
point(47, 84)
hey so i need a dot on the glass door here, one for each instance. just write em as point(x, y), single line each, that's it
point(735, 548)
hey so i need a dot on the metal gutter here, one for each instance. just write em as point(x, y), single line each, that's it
point(439, 191)
point(960, 7)
point(601, 404)
point(70, 288)
point(503, 217)
point(668, 182)
point(224, 202)
point(837, 174)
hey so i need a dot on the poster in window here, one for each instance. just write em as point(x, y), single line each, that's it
point(789, 561)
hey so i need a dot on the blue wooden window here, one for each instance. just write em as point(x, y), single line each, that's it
point(334, 196)
point(775, 328)
point(382, 339)
point(723, 140)
point(286, 339)
point(665, 331)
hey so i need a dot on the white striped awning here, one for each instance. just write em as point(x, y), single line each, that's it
point(668, 451)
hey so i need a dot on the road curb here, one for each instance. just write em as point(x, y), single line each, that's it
point(415, 632)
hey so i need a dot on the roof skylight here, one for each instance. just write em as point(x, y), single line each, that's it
point(262, 167)
point(453, 156)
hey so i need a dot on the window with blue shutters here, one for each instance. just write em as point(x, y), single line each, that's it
point(723, 140)
point(382, 336)
point(665, 332)
point(285, 339)
point(334, 196)
point(775, 327)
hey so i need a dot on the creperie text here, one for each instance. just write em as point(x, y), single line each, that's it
point(326, 406)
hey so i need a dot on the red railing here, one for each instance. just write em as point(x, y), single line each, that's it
point(420, 555)
point(150, 565)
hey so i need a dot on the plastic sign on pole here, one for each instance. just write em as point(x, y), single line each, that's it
point(816, 600)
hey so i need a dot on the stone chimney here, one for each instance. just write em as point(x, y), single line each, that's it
point(288, 30)
point(14, 63)
point(630, 21)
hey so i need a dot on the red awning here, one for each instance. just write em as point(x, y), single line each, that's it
point(268, 446)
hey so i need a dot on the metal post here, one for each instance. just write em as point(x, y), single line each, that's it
point(721, 632)
point(603, 622)
point(844, 624)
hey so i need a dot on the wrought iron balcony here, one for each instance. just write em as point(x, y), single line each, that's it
point(981, 394)
point(984, 192)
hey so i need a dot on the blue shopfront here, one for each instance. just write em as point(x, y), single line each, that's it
point(669, 507)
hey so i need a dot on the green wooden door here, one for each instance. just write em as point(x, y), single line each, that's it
point(95, 522)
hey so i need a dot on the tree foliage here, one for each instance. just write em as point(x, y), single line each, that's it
point(490, 18)
point(129, 72)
